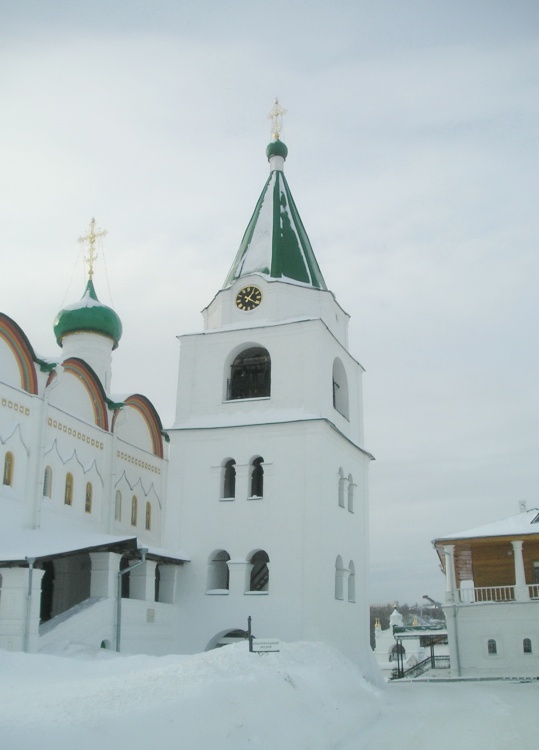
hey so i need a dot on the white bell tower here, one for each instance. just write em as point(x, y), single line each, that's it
point(267, 458)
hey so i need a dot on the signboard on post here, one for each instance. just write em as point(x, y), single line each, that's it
point(265, 645)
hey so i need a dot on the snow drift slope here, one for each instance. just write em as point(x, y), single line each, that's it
point(307, 697)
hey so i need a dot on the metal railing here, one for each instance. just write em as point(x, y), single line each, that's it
point(436, 662)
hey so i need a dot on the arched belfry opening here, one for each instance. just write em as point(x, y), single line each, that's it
point(257, 477)
point(218, 571)
point(259, 575)
point(228, 480)
point(250, 374)
point(340, 389)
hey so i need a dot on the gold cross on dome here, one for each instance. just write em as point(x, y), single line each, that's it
point(90, 238)
point(276, 116)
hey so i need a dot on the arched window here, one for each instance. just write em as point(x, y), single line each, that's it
point(340, 388)
point(68, 490)
point(47, 482)
point(88, 498)
point(148, 517)
point(8, 469)
point(491, 646)
point(250, 374)
point(218, 573)
point(350, 493)
point(257, 477)
point(229, 480)
point(527, 646)
point(259, 578)
point(134, 510)
point(118, 506)
point(339, 576)
point(341, 488)
point(351, 582)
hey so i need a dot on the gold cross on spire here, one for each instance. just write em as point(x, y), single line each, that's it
point(90, 238)
point(276, 116)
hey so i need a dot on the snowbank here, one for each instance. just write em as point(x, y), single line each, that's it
point(307, 697)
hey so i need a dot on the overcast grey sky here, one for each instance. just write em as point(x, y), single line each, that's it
point(413, 150)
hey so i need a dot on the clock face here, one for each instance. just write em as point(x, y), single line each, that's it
point(248, 298)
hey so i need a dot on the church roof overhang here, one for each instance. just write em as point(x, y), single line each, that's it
point(40, 546)
point(17, 547)
point(525, 524)
point(211, 424)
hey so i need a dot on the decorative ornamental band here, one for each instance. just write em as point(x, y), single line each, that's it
point(74, 433)
point(138, 462)
point(8, 404)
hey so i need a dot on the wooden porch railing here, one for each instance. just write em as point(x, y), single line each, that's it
point(487, 594)
point(533, 589)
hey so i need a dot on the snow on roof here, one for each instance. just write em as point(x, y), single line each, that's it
point(163, 552)
point(519, 525)
point(56, 535)
point(255, 415)
point(86, 301)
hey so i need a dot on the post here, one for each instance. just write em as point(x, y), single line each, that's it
point(30, 561)
point(521, 590)
point(450, 583)
point(249, 634)
point(143, 552)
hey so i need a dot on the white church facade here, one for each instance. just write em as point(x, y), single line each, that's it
point(119, 533)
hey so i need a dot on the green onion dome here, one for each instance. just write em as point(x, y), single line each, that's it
point(277, 148)
point(89, 314)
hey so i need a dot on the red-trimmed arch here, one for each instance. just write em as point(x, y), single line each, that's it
point(145, 407)
point(22, 350)
point(91, 382)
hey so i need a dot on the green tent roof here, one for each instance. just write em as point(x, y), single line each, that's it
point(275, 242)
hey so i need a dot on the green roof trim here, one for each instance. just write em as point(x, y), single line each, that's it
point(275, 242)
point(88, 315)
point(45, 366)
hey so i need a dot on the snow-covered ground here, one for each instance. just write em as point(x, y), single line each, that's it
point(307, 697)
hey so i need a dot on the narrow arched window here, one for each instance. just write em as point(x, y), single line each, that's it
point(257, 478)
point(250, 374)
point(47, 482)
point(527, 646)
point(259, 578)
point(491, 646)
point(118, 506)
point(340, 388)
point(148, 517)
point(8, 469)
point(88, 498)
point(68, 490)
point(351, 582)
point(134, 510)
point(341, 488)
point(229, 480)
point(339, 576)
point(218, 573)
point(350, 493)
